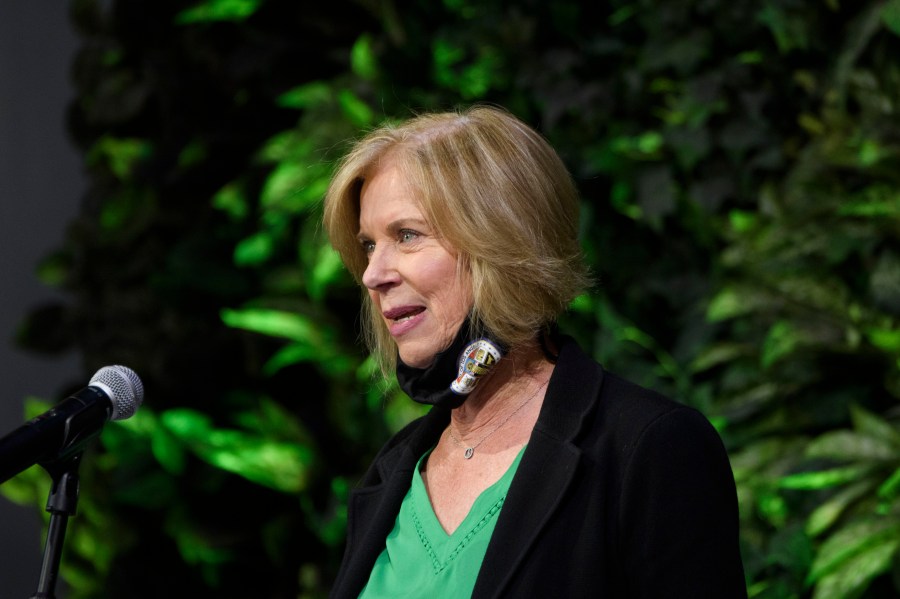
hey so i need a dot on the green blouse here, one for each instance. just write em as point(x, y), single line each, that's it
point(421, 560)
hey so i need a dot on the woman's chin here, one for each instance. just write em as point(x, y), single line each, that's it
point(416, 361)
point(422, 352)
point(417, 357)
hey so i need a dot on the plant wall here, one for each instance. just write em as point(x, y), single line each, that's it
point(738, 163)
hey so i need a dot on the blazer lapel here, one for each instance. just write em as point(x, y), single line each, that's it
point(546, 471)
point(373, 509)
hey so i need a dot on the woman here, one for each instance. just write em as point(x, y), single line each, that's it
point(537, 473)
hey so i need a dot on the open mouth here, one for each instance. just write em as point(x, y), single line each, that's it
point(403, 313)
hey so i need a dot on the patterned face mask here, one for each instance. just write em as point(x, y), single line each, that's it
point(455, 371)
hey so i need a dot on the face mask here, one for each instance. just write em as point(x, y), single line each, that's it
point(454, 373)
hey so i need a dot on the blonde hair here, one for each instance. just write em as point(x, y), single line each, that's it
point(496, 193)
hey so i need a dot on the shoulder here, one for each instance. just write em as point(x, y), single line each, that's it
point(618, 417)
point(659, 448)
point(636, 411)
point(647, 428)
point(605, 402)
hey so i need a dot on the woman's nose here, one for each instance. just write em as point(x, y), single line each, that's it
point(381, 270)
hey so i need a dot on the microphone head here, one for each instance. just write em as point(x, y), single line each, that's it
point(124, 388)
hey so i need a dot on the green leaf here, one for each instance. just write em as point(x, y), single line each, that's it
point(821, 293)
point(724, 305)
point(331, 527)
point(356, 110)
point(887, 339)
point(824, 479)
point(285, 146)
point(742, 221)
point(470, 80)
point(35, 406)
point(332, 363)
point(120, 155)
point(279, 465)
point(231, 200)
point(869, 424)
point(362, 57)
point(890, 16)
point(477, 78)
point(168, 451)
point(851, 541)
point(870, 152)
point(789, 30)
point(827, 513)
point(29, 487)
point(309, 95)
point(277, 323)
point(218, 10)
point(445, 56)
point(852, 576)
point(622, 199)
point(719, 354)
point(780, 341)
point(757, 457)
point(328, 269)
point(848, 445)
point(751, 57)
point(645, 146)
point(668, 366)
point(116, 212)
point(283, 184)
point(367, 372)
point(186, 423)
point(888, 490)
point(790, 549)
point(583, 304)
point(271, 419)
point(141, 425)
point(873, 201)
point(774, 508)
point(53, 270)
point(192, 153)
point(621, 15)
point(254, 250)
point(311, 194)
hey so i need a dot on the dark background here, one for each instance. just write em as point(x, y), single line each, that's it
point(40, 183)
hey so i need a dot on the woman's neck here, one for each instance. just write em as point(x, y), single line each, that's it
point(517, 379)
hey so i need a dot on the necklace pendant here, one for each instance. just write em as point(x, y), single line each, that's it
point(470, 451)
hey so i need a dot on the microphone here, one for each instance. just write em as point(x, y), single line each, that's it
point(113, 393)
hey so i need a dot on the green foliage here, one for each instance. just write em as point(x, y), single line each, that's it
point(218, 10)
point(738, 167)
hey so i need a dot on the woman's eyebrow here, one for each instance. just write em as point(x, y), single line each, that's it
point(403, 223)
point(396, 226)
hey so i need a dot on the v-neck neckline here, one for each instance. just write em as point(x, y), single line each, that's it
point(443, 547)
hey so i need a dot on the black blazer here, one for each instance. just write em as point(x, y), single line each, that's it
point(621, 493)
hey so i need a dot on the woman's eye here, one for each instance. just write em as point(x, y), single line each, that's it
point(368, 246)
point(407, 235)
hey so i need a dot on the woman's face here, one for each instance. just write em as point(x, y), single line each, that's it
point(411, 276)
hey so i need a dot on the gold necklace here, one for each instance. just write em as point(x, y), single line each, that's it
point(470, 450)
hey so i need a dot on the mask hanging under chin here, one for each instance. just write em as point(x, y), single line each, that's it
point(455, 372)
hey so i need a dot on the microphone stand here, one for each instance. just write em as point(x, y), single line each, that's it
point(61, 503)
